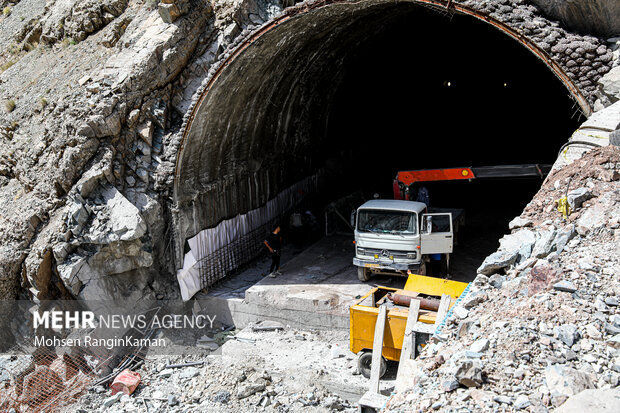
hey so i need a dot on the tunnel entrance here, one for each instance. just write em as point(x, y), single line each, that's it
point(362, 91)
point(432, 92)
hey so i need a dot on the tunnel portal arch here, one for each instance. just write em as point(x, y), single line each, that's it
point(225, 157)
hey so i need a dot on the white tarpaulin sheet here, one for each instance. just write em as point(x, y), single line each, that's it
point(210, 240)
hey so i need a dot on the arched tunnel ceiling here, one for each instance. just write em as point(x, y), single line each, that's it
point(295, 65)
point(267, 104)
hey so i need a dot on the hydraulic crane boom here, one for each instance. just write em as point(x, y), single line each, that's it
point(404, 179)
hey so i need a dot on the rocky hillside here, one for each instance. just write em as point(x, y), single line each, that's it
point(91, 91)
point(541, 323)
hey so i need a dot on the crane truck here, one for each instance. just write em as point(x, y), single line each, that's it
point(401, 235)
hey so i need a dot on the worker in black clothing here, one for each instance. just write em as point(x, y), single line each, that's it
point(274, 244)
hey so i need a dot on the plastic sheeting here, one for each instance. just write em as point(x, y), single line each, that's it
point(211, 242)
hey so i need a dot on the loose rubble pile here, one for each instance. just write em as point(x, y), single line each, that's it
point(284, 370)
point(541, 323)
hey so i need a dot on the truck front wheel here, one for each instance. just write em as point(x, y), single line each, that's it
point(363, 273)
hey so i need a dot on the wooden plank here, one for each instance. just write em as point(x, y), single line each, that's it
point(377, 349)
point(408, 350)
point(444, 306)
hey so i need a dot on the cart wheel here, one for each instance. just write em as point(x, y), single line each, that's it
point(364, 363)
point(363, 274)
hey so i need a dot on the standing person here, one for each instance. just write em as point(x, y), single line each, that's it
point(274, 244)
point(423, 196)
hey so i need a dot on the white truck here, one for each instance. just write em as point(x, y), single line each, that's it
point(395, 236)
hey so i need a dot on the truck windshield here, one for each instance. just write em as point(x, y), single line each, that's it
point(394, 222)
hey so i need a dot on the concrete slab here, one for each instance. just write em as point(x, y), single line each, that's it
point(316, 289)
point(321, 278)
point(596, 130)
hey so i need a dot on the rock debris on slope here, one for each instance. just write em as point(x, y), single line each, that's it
point(540, 327)
point(289, 370)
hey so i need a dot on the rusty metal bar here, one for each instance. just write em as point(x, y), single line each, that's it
point(405, 300)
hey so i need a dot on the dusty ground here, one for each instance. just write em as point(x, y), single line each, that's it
point(287, 370)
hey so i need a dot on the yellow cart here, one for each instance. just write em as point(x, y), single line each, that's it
point(363, 316)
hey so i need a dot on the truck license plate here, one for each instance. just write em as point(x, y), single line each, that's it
point(371, 265)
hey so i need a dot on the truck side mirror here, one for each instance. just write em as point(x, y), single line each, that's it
point(353, 218)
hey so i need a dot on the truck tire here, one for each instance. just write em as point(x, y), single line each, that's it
point(422, 269)
point(363, 274)
point(364, 364)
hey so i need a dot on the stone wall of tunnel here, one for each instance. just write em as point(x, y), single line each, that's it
point(258, 122)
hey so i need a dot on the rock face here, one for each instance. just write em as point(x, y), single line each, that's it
point(585, 16)
point(114, 235)
point(609, 86)
point(80, 212)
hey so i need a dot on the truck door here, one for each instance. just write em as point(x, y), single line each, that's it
point(436, 236)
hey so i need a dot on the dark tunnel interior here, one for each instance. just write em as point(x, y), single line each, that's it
point(432, 92)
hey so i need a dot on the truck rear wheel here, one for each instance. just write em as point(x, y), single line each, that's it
point(364, 364)
point(363, 273)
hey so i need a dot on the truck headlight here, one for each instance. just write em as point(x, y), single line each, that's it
point(412, 255)
point(361, 251)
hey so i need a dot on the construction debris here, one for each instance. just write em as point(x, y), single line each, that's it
point(549, 332)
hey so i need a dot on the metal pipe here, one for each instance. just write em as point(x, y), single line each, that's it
point(405, 300)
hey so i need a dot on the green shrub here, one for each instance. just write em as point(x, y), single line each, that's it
point(6, 11)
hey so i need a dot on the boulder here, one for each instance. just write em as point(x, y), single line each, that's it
point(592, 400)
point(567, 381)
point(563, 236)
point(519, 222)
point(544, 244)
point(497, 280)
point(567, 333)
point(522, 402)
point(469, 374)
point(480, 345)
point(565, 286)
point(449, 384)
point(577, 197)
point(248, 389)
point(497, 261)
point(513, 242)
point(473, 299)
point(542, 275)
point(609, 85)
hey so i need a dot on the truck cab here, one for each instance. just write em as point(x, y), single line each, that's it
point(396, 236)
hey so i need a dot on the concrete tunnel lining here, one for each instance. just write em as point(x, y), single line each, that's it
point(246, 140)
